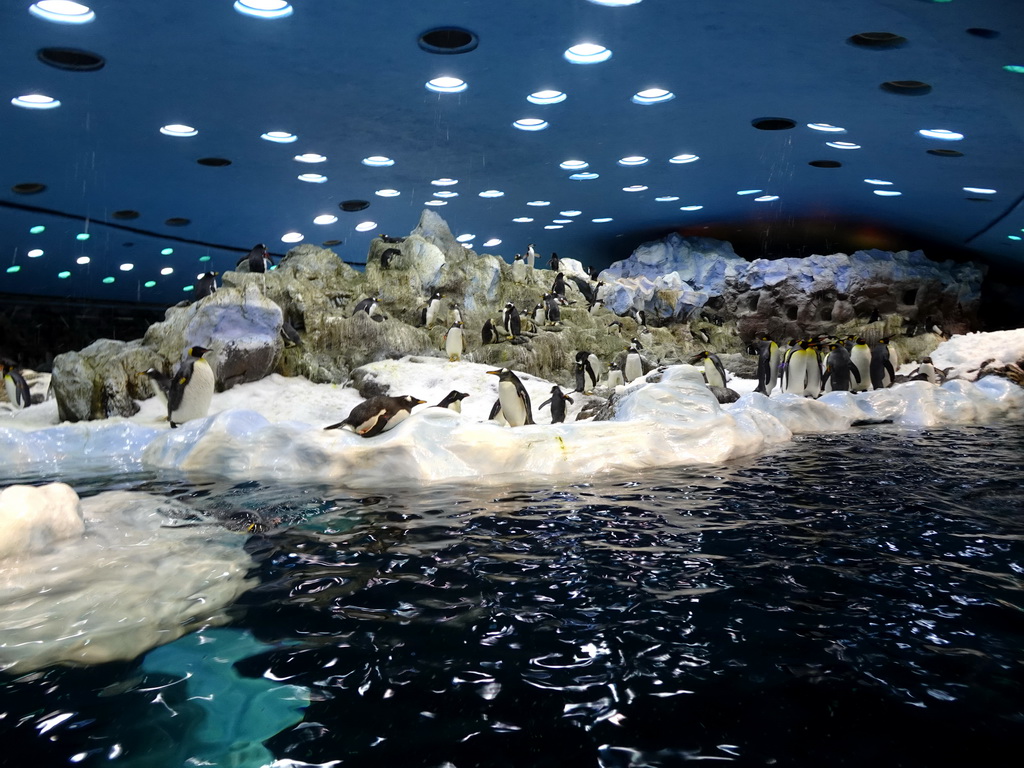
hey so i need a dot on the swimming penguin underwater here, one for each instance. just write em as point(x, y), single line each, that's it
point(258, 258)
point(18, 392)
point(206, 284)
point(377, 414)
point(191, 389)
point(557, 402)
point(514, 399)
point(453, 401)
point(455, 342)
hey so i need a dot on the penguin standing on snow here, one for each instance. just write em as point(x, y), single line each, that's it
point(881, 365)
point(453, 401)
point(17, 388)
point(513, 398)
point(714, 371)
point(191, 389)
point(377, 414)
point(206, 284)
point(586, 377)
point(557, 402)
point(454, 342)
point(258, 259)
point(838, 367)
point(860, 358)
point(512, 322)
point(926, 371)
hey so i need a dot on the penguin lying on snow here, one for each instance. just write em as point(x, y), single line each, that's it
point(377, 414)
point(514, 399)
point(453, 401)
point(557, 402)
point(17, 388)
point(191, 389)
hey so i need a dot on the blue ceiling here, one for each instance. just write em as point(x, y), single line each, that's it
point(349, 80)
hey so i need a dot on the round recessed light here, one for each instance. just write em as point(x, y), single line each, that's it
point(62, 11)
point(465, 238)
point(492, 193)
point(64, 275)
point(28, 188)
point(749, 191)
point(448, 40)
point(436, 202)
point(387, 193)
point(666, 199)
point(878, 182)
point(292, 237)
point(982, 32)
point(377, 161)
point(574, 165)
point(633, 160)
point(279, 137)
point(602, 220)
point(35, 101)
point(38, 229)
point(652, 96)
point(445, 193)
point(1018, 69)
point(82, 260)
point(366, 226)
point(167, 271)
point(166, 251)
point(570, 213)
point(149, 284)
point(177, 129)
point(530, 124)
point(826, 128)
point(585, 176)
point(886, 192)
point(765, 198)
point(539, 203)
point(331, 243)
point(177, 221)
point(684, 158)
point(587, 53)
point(325, 218)
point(264, 9)
point(522, 220)
point(214, 162)
point(444, 182)
point(70, 59)
point(773, 123)
point(877, 40)
point(614, 3)
point(35, 253)
point(691, 207)
point(312, 178)
point(125, 215)
point(980, 190)
point(188, 288)
point(310, 157)
point(204, 258)
point(546, 97)
point(906, 87)
point(634, 188)
point(826, 164)
point(82, 236)
point(561, 221)
point(351, 206)
point(108, 280)
point(13, 268)
point(842, 145)
point(1014, 237)
point(446, 85)
point(552, 226)
point(126, 267)
point(492, 242)
point(940, 133)
point(945, 152)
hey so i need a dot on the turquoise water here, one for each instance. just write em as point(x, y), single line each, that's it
point(848, 599)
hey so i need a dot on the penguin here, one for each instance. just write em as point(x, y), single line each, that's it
point(370, 305)
point(454, 314)
point(860, 358)
point(633, 368)
point(926, 371)
point(558, 286)
point(540, 313)
point(518, 268)
point(615, 378)
point(641, 319)
point(767, 364)
point(875, 316)
point(700, 335)
point(552, 314)
point(191, 389)
point(377, 414)
point(258, 258)
point(553, 262)
point(513, 324)
point(812, 387)
point(514, 399)
point(159, 382)
point(838, 367)
point(206, 284)
point(18, 392)
point(588, 289)
point(714, 371)
point(391, 240)
point(557, 402)
point(586, 377)
point(388, 256)
point(454, 342)
point(489, 334)
point(431, 310)
point(596, 365)
point(531, 256)
point(881, 365)
point(453, 401)
point(290, 335)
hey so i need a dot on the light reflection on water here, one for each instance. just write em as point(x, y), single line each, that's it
point(849, 598)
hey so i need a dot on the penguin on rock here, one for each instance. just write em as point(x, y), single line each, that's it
point(455, 342)
point(633, 367)
point(714, 371)
point(531, 256)
point(513, 398)
point(511, 321)
point(488, 333)
point(378, 414)
point(369, 305)
point(258, 259)
point(191, 389)
point(557, 402)
point(206, 284)
point(552, 314)
point(429, 315)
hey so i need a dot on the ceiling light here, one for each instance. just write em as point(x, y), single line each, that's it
point(64, 275)
point(687, 158)
point(127, 267)
point(666, 199)
point(312, 178)
point(587, 176)
point(634, 188)
point(1014, 237)
point(448, 41)
point(446, 193)
point(465, 238)
point(167, 271)
point(634, 160)
point(108, 280)
point(538, 203)
point(587, 53)
point(377, 161)
point(691, 207)
point(552, 226)
point(940, 133)
point(204, 258)
point(1014, 68)
point(62, 11)
point(530, 124)
point(842, 145)
point(188, 288)
point(166, 251)
point(523, 220)
point(177, 129)
point(546, 97)
point(570, 213)
point(652, 96)
point(310, 157)
point(879, 182)
point(82, 260)
point(264, 9)
point(366, 226)
point(614, 3)
point(765, 198)
point(444, 182)
point(561, 221)
point(749, 191)
point(826, 128)
point(492, 193)
point(886, 192)
point(604, 220)
point(574, 165)
point(387, 193)
point(446, 85)
point(37, 229)
point(291, 237)
point(13, 269)
point(35, 253)
point(325, 218)
point(492, 242)
point(436, 202)
point(279, 137)
point(82, 236)
point(35, 101)
point(149, 284)
point(980, 190)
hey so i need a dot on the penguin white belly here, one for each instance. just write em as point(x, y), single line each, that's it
point(773, 364)
point(861, 358)
point(395, 420)
point(12, 392)
point(519, 271)
point(158, 393)
point(453, 345)
point(195, 400)
point(512, 407)
point(813, 386)
point(713, 376)
point(633, 369)
point(432, 312)
point(796, 374)
point(615, 378)
point(596, 365)
point(929, 372)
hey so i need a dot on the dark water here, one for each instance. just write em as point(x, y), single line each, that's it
point(848, 600)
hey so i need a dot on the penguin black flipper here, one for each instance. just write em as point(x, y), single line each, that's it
point(545, 404)
point(495, 409)
point(856, 373)
point(889, 369)
point(828, 373)
point(525, 396)
point(22, 393)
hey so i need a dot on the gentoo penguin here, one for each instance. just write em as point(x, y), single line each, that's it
point(454, 314)
point(540, 313)
point(454, 342)
point(558, 286)
point(453, 401)
point(431, 310)
point(369, 305)
point(258, 259)
point(714, 371)
point(614, 378)
point(926, 371)
point(557, 402)
point(586, 377)
point(881, 365)
point(641, 319)
point(17, 388)
point(552, 314)
point(489, 334)
point(206, 284)
point(388, 256)
point(700, 335)
point(587, 289)
point(191, 388)
point(159, 382)
point(377, 414)
point(518, 268)
point(860, 358)
point(531, 256)
point(514, 399)
point(553, 262)
point(838, 368)
point(513, 324)
point(633, 367)
point(290, 335)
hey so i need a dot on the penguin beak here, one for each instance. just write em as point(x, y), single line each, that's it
point(495, 373)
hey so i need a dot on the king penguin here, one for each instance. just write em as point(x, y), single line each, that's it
point(860, 358)
point(767, 364)
point(514, 399)
point(714, 371)
point(17, 388)
point(377, 414)
point(191, 388)
point(455, 342)
point(557, 402)
point(838, 368)
point(453, 401)
point(882, 373)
